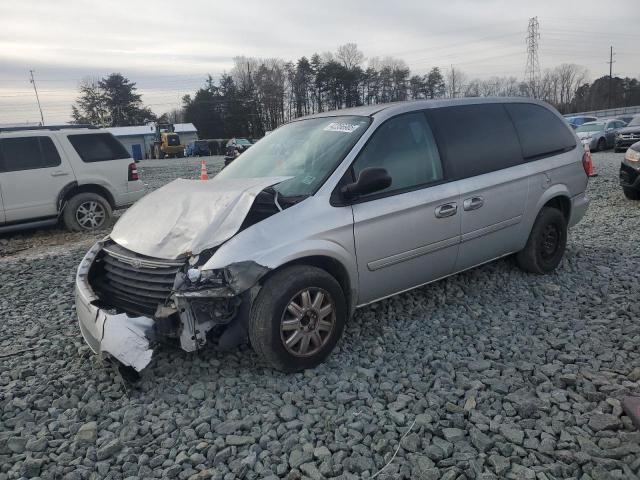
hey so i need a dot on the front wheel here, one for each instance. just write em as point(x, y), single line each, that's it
point(546, 244)
point(297, 318)
point(631, 193)
point(602, 145)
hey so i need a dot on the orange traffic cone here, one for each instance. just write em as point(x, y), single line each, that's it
point(588, 162)
point(203, 171)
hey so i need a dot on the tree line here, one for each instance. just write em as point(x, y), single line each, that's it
point(258, 95)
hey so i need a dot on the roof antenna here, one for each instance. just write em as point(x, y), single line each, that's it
point(33, 81)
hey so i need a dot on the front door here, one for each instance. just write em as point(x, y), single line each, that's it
point(407, 234)
point(33, 174)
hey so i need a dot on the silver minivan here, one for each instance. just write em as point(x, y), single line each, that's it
point(327, 214)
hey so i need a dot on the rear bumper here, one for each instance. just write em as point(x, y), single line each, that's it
point(129, 198)
point(579, 206)
point(127, 339)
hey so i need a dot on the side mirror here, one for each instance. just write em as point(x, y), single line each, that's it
point(370, 180)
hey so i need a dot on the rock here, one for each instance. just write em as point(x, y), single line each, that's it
point(17, 444)
point(288, 413)
point(87, 433)
point(321, 453)
point(453, 434)
point(479, 365)
point(603, 421)
point(411, 442)
point(424, 469)
point(512, 434)
point(480, 440)
point(108, 450)
point(239, 440)
point(499, 463)
point(228, 427)
point(31, 467)
point(37, 445)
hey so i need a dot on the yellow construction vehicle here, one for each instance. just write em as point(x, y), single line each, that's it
point(166, 142)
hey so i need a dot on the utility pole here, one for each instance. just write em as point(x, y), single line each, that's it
point(453, 82)
point(611, 62)
point(37, 99)
point(532, 70)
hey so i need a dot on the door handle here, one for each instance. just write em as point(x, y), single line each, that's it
point(59, 173)
point(446, 210)
point(473, 203)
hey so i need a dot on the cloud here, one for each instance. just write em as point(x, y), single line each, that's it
point(168, 47)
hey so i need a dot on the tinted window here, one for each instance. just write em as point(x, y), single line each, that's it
point(541, 133)
point(406, 148)
point(98, 147)
point(173, 140)
point(477, 139)
point(27, 153)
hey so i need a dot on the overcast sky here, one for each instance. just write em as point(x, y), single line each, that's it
point(168, 47)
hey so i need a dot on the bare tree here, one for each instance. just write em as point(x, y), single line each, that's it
point(349, 55)
point(455, 81)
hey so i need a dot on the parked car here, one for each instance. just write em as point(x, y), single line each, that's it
point(627, 136)
point(599, 135)
point(630, 172)
point(77, 175)
point(197, 148)
point(578, 120)
point(330, 213)
point(625, 118)
point(240, 144)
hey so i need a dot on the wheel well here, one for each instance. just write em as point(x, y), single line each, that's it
point(561, 203)
point(91, 188)
point(330, 265)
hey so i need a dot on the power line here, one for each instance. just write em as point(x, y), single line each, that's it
point(33, 81)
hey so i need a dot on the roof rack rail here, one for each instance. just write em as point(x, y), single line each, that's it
point(46, 127)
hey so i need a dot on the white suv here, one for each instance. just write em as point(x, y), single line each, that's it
point(78, 175)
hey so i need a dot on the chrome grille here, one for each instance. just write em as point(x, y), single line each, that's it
point(131, 282)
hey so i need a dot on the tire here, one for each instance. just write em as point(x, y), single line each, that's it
point(546, 244)
point(602, 145)
point(180, 154)
point(631, 193)
point(270, 311)
point(86, 212)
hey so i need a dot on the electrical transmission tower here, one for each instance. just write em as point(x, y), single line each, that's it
point(532, 70)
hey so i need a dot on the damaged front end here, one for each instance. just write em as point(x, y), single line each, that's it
point(128, 303)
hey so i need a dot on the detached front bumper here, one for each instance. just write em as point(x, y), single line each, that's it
point(127, 339)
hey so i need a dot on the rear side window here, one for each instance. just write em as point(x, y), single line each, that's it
point(477, 139)
point(27, 153)
point(541, 133)
point(98, 147)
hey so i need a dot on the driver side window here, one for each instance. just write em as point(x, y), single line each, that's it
point(405, 147)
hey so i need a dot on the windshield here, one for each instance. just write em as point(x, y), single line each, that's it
point(591, 127)
point(307, 150)
point(243, 141)
point(201, 143)
point(173, 140)
point(635, 121)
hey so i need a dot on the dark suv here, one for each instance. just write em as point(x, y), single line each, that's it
point(627, 136)
point(630, 172)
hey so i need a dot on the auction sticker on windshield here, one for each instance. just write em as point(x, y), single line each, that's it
point(341, 127)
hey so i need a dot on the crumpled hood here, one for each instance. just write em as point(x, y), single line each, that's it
point(188, 216)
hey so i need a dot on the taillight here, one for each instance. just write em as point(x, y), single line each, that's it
point(133, 172)
point(587, 163)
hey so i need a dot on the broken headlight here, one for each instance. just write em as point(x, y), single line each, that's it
point(212, 278)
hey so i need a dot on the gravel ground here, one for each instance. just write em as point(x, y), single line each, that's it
point(490, 374)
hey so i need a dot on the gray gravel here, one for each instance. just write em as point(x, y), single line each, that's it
point(490, 374)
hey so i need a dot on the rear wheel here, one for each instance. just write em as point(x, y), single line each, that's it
point(546, 244)
point(631, 193)
point(86, 211)
point(297, 318)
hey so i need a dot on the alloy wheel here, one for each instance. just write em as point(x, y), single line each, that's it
point(307, 322)
point(90, 215)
